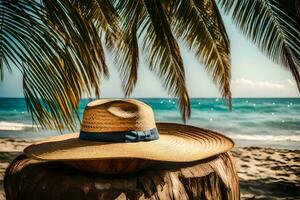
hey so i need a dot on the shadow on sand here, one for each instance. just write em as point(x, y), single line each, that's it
point(269, 189)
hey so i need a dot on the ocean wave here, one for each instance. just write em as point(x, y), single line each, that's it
point(15, 126)
point(293, 138)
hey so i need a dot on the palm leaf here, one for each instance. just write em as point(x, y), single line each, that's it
point(27, 43)
point(273, 25)
point(163, 54)
point(58, 50)
point(82, 39)
point(200, 26)
point(127, 52)
point(103, 16)
point(58, 47)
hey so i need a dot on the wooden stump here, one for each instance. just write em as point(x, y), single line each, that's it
point(214, 178)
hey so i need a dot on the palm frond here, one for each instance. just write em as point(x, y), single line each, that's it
point(273, 25)
point(163, 54)
point(200, 26)
point(57, 106)
point(127, 52)
point(58, 50)
point(27, 44)
point(81, 39)
point(103, 16)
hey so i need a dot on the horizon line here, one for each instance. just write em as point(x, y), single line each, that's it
point(5, 97)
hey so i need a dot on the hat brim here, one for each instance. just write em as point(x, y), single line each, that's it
point(177, 143)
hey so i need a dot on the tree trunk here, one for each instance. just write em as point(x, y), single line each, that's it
point(214, 178)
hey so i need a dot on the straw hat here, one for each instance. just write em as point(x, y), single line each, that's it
point(124, 132)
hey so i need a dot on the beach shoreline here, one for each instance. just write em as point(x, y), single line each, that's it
point(264, 173)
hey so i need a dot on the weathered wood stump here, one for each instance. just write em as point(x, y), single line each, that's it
point(214, 178)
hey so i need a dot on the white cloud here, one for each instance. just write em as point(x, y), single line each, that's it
point(291, 82)
point(258, 85)
point(243, 87)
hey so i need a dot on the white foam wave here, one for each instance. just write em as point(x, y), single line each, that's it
point(14, 126)
point(294, 138)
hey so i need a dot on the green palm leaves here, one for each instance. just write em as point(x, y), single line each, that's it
point(159, 25)
point(57, 48)
point(200, 26)
point(273, 25)
point(60, 46)
point(29, 44)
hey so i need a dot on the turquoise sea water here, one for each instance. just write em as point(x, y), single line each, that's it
point(268, 122)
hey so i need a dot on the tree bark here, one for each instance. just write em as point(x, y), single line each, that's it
point(214, 178)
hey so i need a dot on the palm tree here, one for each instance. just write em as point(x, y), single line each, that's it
point(60, 46)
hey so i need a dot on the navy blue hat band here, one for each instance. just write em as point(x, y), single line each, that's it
point(122, 136)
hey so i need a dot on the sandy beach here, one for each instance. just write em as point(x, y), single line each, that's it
point(267, 173)
point(264, 173)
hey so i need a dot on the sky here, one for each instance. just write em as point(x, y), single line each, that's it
point(253, 75)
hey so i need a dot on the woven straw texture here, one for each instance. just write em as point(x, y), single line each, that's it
point(177, 143)
point(109, 115)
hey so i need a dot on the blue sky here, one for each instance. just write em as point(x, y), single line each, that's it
point(253, 75)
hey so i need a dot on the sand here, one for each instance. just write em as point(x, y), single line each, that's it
point(267, 173)
point(264, 173)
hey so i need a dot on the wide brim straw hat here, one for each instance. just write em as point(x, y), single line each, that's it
point(125, 129)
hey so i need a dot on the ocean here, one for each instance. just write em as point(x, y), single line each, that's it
point(263, 122)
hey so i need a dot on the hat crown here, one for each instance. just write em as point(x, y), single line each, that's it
point(116, 115)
